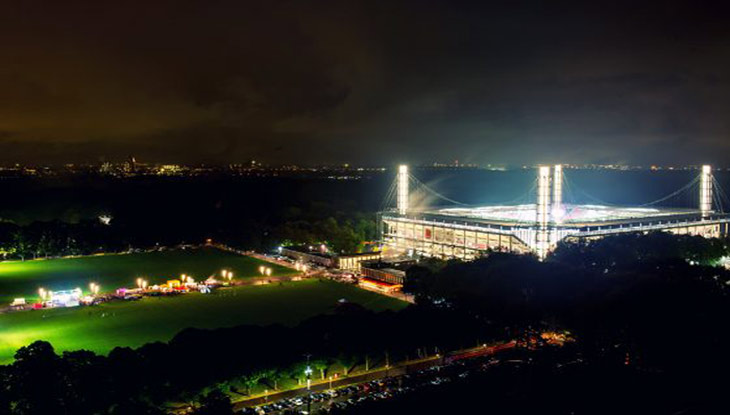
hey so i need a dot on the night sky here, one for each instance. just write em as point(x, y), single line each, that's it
point(370, 82)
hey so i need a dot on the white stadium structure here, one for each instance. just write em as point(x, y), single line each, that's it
point(468, 232)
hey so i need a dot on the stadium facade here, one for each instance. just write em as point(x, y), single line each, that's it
point(469, 232)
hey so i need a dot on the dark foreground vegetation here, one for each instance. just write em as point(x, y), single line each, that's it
point(40, 381)
point(650, 327)
point(649, 318)
point(556, 382)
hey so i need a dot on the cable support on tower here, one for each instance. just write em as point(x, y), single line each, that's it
point(675, 193)
point(435, 193)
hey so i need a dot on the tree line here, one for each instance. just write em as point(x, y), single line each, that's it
point(56, 238)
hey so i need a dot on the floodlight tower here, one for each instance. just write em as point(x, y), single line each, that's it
point(556, 209)
point(558, 185)
point(706, 190)
point(402, 199)
point(542, 241)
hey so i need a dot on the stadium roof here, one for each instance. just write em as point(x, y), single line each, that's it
point(564, 214)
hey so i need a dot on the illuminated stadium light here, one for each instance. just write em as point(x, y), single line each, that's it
point(542, 212)
point(557, 185)
point(402, 201)
point(706, 190)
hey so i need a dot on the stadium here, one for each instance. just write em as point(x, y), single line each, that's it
point(466, 232)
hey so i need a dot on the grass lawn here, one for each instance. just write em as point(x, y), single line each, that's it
point(103, 327)
point(24, 278)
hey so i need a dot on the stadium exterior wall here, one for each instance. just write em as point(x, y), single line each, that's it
point(465, 238)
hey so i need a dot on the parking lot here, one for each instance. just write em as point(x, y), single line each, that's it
point(339, 400)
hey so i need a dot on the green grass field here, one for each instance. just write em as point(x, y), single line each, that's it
point(24, 278)
point(103, 327)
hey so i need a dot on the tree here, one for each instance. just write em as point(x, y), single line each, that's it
point(5, 399)
point(215, 403)
point(36, 382)
point(347, 361)
point(321, 365)
point(274, 376)
point(21, 246)
point(252, 379)
point(135, 407)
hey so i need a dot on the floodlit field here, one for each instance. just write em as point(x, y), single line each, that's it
point(23, 279)
point(133, 323)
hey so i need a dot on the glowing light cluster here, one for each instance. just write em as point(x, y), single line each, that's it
point(94, 288)
point(227, 275)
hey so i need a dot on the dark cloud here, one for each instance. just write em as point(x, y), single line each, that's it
point(365, 81)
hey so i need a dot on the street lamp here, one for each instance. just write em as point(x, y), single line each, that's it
point(308, 372)
point(42, 293)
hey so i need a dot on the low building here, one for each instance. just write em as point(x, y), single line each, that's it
point(377, 285)
point(353, 262)
point(320, 256)
point(308, 255)
point(391, 272)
